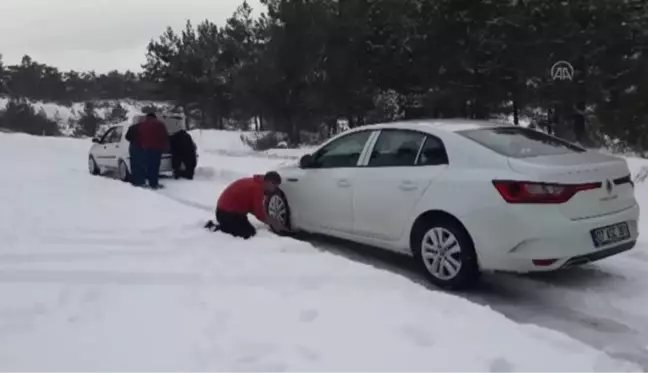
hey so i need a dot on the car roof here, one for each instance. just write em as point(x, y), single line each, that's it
point(448, 125)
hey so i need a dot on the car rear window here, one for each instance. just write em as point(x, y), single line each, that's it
point(520, 142)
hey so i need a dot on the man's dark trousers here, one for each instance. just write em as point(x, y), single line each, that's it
point(137, 164)
point(237, 225)
point(153, 160)
point(189, 162)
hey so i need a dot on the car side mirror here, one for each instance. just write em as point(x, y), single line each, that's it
point(96, 140)
point(307, 161)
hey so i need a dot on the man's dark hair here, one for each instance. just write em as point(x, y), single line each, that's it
point(151, 115)
point(272, 177)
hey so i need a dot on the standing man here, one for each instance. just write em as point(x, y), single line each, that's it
point(242, 197)
point(136, 155)
point(183, 153)
point(155, 141)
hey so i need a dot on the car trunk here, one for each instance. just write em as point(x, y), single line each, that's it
point(615, 193)
point(172, 122)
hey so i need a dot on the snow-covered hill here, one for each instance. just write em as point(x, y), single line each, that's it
point(67, 116)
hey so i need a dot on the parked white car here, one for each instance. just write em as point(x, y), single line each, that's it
point(109, 153)
point(463, 197)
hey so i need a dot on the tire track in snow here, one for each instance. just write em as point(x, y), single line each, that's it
point(540, 301)
point(186, 202)
point(545, 301)
point(250, 153)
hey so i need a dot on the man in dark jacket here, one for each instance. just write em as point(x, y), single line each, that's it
point(242, 197)
point(183, 152)
point(136, 155)
point(155, 141)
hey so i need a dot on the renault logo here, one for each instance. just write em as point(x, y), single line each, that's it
point(608, 186)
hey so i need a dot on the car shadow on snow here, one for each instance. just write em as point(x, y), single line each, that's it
point(543, 299)
point(583, 277)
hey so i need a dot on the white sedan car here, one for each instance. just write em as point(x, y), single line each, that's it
point(463, 197)
point(109, 153)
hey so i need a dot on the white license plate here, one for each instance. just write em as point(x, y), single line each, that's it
point(611, 234)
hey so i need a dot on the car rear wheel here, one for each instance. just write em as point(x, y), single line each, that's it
point(276, 206)
point(124, 173)
point(446, 254)
point(92, 166)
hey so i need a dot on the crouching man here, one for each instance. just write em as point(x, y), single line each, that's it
point(183, 154)
point(242, 197)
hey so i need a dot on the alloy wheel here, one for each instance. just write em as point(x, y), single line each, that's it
point(277, 208)
point(441, 253)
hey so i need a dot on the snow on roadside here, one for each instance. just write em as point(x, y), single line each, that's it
point(96, 275)
point(229, 143)
point(609, 293)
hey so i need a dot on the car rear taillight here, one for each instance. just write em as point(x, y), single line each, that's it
point(533, 192)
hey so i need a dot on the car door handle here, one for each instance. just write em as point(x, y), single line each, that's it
point(292, 179)
point(343, 183)
point(407, 186)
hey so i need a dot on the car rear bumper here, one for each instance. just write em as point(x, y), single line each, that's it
point(506, 240)
point(165, 164)
point(598, 255)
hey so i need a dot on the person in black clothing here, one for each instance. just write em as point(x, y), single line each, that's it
point(183, 152)
point(136, 155)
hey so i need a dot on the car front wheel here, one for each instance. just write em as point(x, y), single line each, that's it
point(276, 206)
point(446, 254)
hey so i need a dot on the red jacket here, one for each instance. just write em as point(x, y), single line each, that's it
point(244, 196)
point(153, 134)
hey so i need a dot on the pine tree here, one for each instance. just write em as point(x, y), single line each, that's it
point(89, 121)
point(117, 114)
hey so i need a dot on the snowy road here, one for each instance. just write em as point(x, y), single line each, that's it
point(592, 304)
point(603, 304)
point(96, 275)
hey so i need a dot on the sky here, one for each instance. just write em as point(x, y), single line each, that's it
point(100, 35)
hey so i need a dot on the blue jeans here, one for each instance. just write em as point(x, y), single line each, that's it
point(137, 164)
point(153, 160)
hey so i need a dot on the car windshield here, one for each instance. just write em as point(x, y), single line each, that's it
point(520, 142)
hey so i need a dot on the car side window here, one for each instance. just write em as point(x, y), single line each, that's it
point(117, 135)
point(433, 153)
point(396, 148)
point(106, 138)
point(343, 152)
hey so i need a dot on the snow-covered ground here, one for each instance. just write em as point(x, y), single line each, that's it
point(97, 275)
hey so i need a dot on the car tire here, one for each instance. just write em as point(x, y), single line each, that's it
point(92, 166)
point(276, 205)
point(123, 172)
point(446, 241)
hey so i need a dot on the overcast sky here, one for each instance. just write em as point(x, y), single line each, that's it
point(99, 35)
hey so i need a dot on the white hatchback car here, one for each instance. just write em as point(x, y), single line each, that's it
point(463, 197)
point(109, 153)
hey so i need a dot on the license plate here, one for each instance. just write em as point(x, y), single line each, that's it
point(612, 233)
